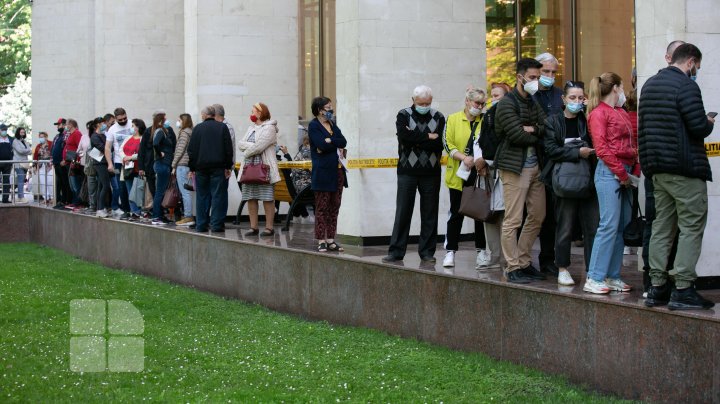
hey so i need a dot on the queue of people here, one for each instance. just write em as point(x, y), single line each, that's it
point(556, 159)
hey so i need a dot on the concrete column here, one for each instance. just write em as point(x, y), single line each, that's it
point(384, 49)
point(245, 52)
point(694, 21)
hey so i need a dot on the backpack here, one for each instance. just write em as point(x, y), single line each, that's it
point(488, 140)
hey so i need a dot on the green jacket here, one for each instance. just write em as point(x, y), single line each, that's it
point(514, 112)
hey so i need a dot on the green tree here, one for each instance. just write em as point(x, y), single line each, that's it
point(16, 104)
point(15, 34)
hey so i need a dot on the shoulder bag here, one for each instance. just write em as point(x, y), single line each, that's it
point(572, 179)
point(476, 200)
point(635, 229)
point(172, 194)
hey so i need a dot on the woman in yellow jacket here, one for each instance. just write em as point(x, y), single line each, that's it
point(460, 127)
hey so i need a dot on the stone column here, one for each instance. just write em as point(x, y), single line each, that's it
point(694, 21)
point(384, 49)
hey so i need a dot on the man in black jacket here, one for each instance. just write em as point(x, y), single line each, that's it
point(211, 155)
point(672, 129)
point(419, 150)
point(520, 127)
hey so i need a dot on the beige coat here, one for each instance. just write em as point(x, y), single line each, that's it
point(265, 141)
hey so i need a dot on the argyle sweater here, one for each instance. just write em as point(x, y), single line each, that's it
point(417, 154)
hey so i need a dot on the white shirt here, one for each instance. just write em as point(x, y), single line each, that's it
point(117, 135)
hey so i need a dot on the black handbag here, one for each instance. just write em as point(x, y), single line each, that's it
point(634, 231)
point(572, 179)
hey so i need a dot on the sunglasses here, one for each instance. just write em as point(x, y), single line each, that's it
point(575, 84)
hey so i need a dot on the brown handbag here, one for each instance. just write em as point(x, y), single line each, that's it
point(255, 173)
point(172, 194)
point(476, 200)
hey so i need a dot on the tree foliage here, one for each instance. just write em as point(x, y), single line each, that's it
point(16, 104)
point(15, 36)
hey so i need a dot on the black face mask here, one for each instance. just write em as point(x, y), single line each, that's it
point(122, 123)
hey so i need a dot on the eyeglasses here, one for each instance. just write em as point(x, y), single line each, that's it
point(575, 84)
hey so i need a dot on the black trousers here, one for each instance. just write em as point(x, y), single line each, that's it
point(6, 172)
point(455, 222)
point(567, 210)
point(547, 231)
point(62, 184)
point(429, 189)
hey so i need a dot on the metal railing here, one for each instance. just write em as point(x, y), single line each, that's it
point(25, 181)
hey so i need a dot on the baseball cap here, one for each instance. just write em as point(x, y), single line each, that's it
point(159, 112)
point(3, 126)
point(60, 121)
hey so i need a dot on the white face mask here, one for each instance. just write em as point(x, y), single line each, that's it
point(475, 111)
point(621, 100)
point(531, 87)
point(177, 124)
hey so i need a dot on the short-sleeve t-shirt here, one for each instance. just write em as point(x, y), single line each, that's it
point(117, 135)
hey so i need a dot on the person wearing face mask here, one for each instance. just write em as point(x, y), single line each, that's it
point(98, 141)
point(129, 153)
point(672, 152)
point(258, 147)
point(210, 161)
point(116, 134)
point(6, 154)
point(164, 147)
point(62, 174)
point(70, 160)
point(43, 172)
point(616, 149)
point(21, 151)
point(567, 141)
point(419, 150)
point(520, 127)
point(181, 170)
point(550, 98)
point(461, 130)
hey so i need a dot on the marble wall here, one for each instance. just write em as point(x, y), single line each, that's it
point(694, 21)
point(384, 49)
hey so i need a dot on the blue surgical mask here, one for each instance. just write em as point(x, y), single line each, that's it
point(546, 81)
point(574, 107)
point(422, 110)
point(693, 77)
point(3, 133)
point(103, 128)
point(166, 124)
point(42, 140)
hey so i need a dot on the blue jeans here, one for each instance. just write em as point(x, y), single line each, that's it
point(133, 206)
point(210, 194)
point(181, 172)
point(76, 187)
point(115, 184)
point(162, 173)
point(20, 172)
point(615, 211)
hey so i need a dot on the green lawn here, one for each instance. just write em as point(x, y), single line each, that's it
point(200, 347)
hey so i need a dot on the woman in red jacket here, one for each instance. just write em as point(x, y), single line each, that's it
point(616, 148)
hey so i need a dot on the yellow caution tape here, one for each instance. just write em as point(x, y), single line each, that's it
point(352, 163)
point(712, 149)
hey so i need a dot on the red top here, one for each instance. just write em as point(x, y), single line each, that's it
point(72, 144)
point(131, 147)
point(634, 122)
point(614, 140)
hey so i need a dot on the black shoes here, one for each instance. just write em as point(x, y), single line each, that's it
point(517, 276)
point(532, 273)
point(658, 295)
point(550, 269)
point(391, 258)
point(687, 299)
point(429, 259)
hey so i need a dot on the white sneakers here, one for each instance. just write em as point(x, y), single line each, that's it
point(564, 278)
point(101, 213)
point(598, 288)
point(117, 213)
point(483, 259)
point(449, 260)
point(617, 285)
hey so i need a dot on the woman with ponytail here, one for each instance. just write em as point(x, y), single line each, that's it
point(616, 149)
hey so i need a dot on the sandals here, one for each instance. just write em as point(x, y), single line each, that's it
point(267, 232)
point(335, 247)
point(252, 232)
point(322, 247)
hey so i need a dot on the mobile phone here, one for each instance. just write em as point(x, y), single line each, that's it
point(712, 114)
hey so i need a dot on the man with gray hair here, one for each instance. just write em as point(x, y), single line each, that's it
point(420, 150)
point(210, 153)
point(550, 99)
point(220, 117)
